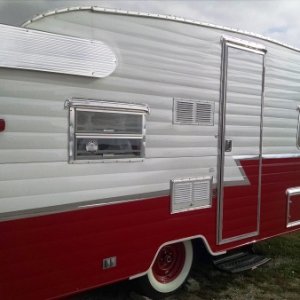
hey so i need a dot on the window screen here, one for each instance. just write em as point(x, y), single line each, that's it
point(99, 132)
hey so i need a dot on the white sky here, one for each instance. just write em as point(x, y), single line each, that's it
point(278, 19)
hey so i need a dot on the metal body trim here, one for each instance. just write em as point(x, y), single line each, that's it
point(290, 192)
point(157, 16)
point(86, 104)
point(260, 50)
point(281, 155)
point(298, 129)
point(36, 212)
point(239, 237)
point(200, 236)
point(293, 224)
point(244, 45)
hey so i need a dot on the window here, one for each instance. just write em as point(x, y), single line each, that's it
point(298, 131)
point(102, 130)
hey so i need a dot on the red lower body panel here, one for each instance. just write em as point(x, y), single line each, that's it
point(241, 204)
point(49, 256)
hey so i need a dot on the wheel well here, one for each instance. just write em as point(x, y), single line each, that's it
point(201, 252)
point(200, 247)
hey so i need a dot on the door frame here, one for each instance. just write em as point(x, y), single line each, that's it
point(232, 42)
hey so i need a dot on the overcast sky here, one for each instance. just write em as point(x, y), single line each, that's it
point(278, 19)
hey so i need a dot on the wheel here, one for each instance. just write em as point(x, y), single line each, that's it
point(169, 270)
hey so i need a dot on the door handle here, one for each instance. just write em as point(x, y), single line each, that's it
point(228, 145)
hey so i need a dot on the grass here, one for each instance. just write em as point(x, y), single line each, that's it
point(279, 279)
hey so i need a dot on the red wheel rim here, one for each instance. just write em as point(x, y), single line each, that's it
point(169, 263)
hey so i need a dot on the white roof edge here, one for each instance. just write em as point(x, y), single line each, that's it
point(156, 16)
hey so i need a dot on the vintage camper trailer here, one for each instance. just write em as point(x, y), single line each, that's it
point(126, 136)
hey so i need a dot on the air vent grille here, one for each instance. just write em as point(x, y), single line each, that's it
point(193, 112)
point(183, 192)
point(191, 193)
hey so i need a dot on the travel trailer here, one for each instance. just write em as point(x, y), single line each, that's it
point(127, 139)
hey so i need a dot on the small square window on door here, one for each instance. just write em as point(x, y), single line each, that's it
point(103, 130)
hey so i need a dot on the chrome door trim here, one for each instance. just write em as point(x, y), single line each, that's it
point(232, 42)
point(298, 129)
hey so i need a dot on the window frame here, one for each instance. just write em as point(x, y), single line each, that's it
point(77, 104)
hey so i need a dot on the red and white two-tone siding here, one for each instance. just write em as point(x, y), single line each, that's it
point(49, 256)
point(61, 251)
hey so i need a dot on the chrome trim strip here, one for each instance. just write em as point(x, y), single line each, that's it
point(191, 179)
point(281, 155)
point(290, 192)
point(260, 50)
point(221, 141)
point(298, 129)
point(244, 45)
point(106, 105)
point(261, 140)
point(176, 241)
point(245, 49)
point(239, 237)
point(293, 191)
point(157, 16)
point(108, 136)
point(248, 157)
point(111, 160)
point(187, 239)
point(71, 132)
point(36, 212)
point(293, 224)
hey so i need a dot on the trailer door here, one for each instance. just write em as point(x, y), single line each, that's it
point(240, 139)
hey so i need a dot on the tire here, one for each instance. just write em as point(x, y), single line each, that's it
point(169, 271)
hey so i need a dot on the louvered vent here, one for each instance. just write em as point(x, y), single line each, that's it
point(193, 112)
point(191, 193)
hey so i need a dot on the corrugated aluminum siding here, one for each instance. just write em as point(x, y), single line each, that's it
point(157, 60)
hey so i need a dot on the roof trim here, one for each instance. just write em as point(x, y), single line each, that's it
point(156, 16)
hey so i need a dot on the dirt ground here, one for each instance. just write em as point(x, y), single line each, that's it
point(277, 280)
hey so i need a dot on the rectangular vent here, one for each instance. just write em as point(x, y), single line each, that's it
point(193, 112)
point(191, 193)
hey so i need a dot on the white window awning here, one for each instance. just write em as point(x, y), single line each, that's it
point(22, 48)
